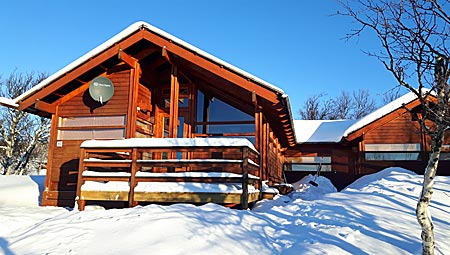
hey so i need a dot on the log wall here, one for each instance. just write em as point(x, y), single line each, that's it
point(62, 167)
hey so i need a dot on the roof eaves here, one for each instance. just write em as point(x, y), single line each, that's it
point(8, 102)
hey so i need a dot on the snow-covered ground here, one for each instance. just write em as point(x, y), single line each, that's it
point(374, 215)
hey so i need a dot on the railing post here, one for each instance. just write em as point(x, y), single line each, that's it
point(81, 203)
point(133, 171)
point(244, 196)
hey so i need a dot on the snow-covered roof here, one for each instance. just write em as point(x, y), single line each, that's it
point(321, 131)
point(382, 111)
point(329, 131)
point(8, 102)
point(167, 142)
point(127, 32)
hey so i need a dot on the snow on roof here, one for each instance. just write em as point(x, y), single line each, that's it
point(317, 131)
point(383, 111)
point(127, 32)
point(8, 102)
point(320, 131)
point(167, 142)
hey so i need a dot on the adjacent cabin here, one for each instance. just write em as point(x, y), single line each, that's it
point(153, 97)
point(345, 150)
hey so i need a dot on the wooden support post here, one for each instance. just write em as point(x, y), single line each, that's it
point(51, 149)
point(265, 142)
point(205, 118)
point(193, 108)
point(81, 203)
point(174, 94)
point(133, 171)
point(361, 155)
point(133, 101)
point(244, 196)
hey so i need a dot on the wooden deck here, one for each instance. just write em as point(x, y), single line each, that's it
point(191, 170)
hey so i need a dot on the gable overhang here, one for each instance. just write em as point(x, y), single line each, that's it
point(141, 40)
point(8, 103)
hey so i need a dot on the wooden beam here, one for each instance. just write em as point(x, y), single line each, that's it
point(74, 93)
point(146, 52)
point(182, 197)
point(104, 195)
point(43, 106)
point(81, 69)
point(165, 55)
point(127, 59)
point(133, 101)
point(254, 99)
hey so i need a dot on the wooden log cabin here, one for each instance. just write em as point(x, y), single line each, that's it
point(347, 149)
point(146, 109)
point(146, 84)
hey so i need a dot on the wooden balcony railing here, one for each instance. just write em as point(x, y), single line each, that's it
point(130, 169)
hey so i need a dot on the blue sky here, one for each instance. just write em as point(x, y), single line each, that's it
point(295, 45)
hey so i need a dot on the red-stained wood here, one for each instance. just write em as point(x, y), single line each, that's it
point(42, 106)
point(206, 64)
point(385, 119)
point(135, 162)
point(127, 59)
point(81, 69)
point(174, 96)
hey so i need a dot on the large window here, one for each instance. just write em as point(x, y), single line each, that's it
point(217, 118)
point(389, 152)
point(308, 164)
point(91, 127)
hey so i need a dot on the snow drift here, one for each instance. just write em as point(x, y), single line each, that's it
point(374, 215)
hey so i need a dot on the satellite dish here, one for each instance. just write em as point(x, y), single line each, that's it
point(101, 89)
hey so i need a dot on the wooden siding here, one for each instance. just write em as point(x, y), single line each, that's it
point(83, 105)
point(399, 130)
point(63, 160)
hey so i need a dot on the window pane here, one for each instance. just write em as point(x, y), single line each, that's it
point(393, 147)
point(91, 121)
point(109, 133)
point(91, 134)
point(380, 156)
point(308, 168)
point(309, 159)
point(232, 128)
point(75, 134)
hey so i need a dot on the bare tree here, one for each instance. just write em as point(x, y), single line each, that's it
point(344, 106)
point(22, 135)
point(341, 106)
point(414, 38)
point(363, 104)
point(315, 109)
point(391, 95)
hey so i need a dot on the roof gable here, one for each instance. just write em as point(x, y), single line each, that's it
point(408, 100)
point(124, 34)
point(75, 77)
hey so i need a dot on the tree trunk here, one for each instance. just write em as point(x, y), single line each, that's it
point(422, 213)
